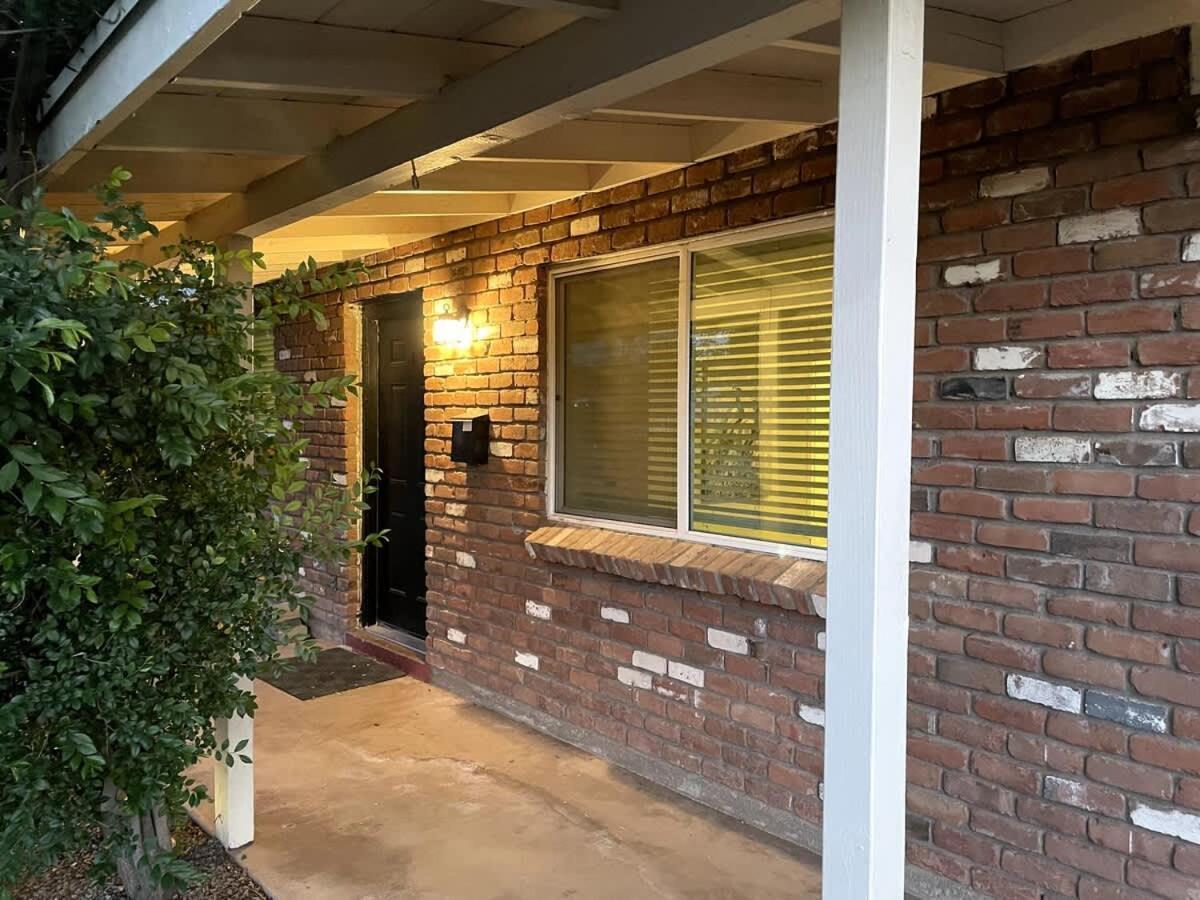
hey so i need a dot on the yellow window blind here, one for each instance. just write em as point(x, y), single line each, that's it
point(617, 389)
point(760, 370)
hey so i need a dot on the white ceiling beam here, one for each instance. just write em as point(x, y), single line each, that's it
point(736, 96)
point(153, 47)
point(593, 9)
point(711, 139)
point(240, 125)
point(499, 177)
point(282, 55)
point(342, 226)
point(158, 207)
point(599, 142)
point(1077, 25)
point(963, 42)
point(636, 49)
point(333, 243)
point(169, 173)
point(401, 204)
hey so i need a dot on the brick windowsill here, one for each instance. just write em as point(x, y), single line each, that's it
point(766, 578)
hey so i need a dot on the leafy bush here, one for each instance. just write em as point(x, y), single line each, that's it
point(155, 505)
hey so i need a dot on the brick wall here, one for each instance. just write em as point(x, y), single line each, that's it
point(1055, 645)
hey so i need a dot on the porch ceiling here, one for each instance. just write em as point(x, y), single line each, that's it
point(297, 121)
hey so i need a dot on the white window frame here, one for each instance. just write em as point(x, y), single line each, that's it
point(683, 250)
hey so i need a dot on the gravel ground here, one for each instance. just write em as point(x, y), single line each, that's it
point(223, 879)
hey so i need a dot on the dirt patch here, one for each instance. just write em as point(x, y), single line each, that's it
point(221, 877)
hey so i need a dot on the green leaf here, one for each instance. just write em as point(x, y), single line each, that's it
point(8, 474)
point(142, 342)
point(31, 494)
point(23, 453)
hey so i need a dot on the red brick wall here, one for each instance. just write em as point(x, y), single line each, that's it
point(1055, 647)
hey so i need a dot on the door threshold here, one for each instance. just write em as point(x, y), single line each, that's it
point(398, 636)
point(392, 646)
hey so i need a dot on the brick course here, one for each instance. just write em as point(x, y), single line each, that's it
point(1054, 666)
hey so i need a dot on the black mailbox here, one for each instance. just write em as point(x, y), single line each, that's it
point(469, 438)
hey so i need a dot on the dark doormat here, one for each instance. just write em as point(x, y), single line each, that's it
point(335, 670)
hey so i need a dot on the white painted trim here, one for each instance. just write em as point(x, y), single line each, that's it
point(156, 45)
point(875, 249)
point(683, 249)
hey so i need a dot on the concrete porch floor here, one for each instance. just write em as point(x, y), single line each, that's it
point(403, 790)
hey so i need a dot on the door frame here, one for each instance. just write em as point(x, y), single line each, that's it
point(369, 313)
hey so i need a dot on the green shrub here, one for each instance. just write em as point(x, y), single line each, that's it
point(155, 506)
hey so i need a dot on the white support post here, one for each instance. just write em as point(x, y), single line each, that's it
point(233, 786)
point(879, 125)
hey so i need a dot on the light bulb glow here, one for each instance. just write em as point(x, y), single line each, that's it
point(452, 331)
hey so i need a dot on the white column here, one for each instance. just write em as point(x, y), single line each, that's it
point(233, 786)
point(879, 124)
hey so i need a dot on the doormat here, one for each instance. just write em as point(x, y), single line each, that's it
point(334, 671)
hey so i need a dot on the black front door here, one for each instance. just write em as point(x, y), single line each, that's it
point(393, 438)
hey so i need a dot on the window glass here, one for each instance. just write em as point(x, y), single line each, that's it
point(760, 369)
point(617, 386)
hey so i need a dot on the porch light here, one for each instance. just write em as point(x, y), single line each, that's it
point(452, 328)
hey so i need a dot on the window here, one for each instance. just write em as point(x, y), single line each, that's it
point(691, 389)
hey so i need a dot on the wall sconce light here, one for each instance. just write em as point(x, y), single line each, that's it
point(452, 327)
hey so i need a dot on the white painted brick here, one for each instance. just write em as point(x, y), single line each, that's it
point(613, 614)
point(528, 660)
point(1175, 822)
point(820, 604)
point(435, 476)
point(920, 552)
point(994, 359)
point(585, 225)
point(310, 375)
point(979, 273)
point(457, 510)
point(456, 254)
point(634, 678)
point(456, 636)
point(685, 673)
point(651, 662)
point(1028, 448)
point(821, 641)
point(929, 107)
point(337, 403)
point(728, 641)
point(1045, 693)
point(1150, 384)
point(821, 790)
point(466, 560)
point(813, 715)
point(1115, 223)
point(1191, 248)
point(284, 354)
point(537, 610)
point(501, 449)
point(1009, 184)
point(1178, 417)
point(668, 690)
point(338, 478)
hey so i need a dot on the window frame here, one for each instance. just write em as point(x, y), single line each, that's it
point(683, 250)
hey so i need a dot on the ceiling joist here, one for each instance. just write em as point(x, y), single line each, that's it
point(719, 95)
point(283, 55)
point(594, 9)
point(640, 47)
point(239, 125)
